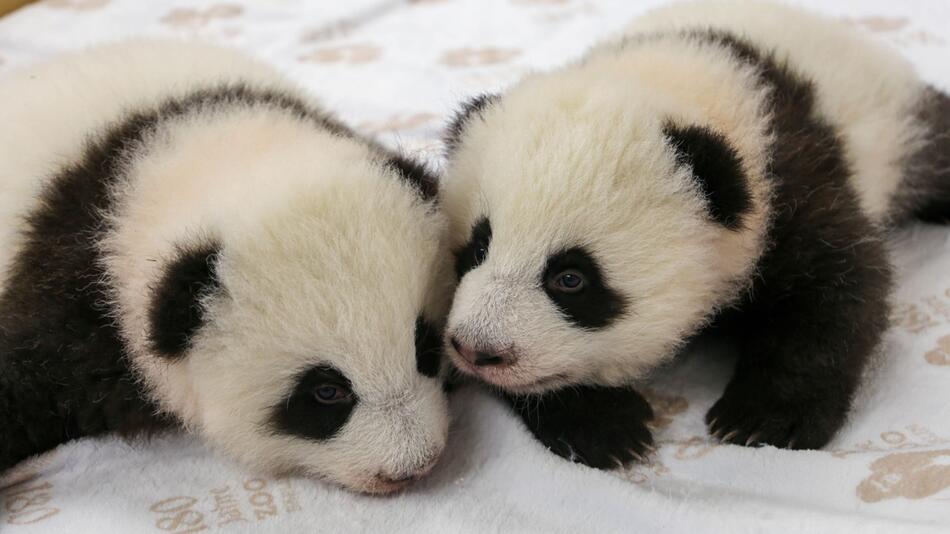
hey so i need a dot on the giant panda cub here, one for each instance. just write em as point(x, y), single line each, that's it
point(725, 163)
point(187, 240)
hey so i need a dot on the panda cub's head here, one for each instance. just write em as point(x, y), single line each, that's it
point(596, 225)
point(295, 319)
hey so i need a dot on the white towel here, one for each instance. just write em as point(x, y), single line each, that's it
point(396, 69)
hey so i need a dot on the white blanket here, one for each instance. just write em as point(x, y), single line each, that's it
point(396, 69)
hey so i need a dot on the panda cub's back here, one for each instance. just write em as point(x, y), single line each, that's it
point(865, 91)
point(51, 110)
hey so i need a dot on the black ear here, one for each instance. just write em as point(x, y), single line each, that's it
point(473, 106)
point(176, 312)
point(718, 171)
point(416, 174)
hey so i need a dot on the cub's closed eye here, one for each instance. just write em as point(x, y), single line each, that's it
point(475, 252)
point(332, 394)
point(569, 281)
point(479, 252)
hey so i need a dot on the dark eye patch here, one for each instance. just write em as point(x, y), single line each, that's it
point(595, 305)
point(476, 250)
point(428, 348)
point(303, 415)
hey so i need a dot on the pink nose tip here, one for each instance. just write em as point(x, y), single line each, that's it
point(480, 358)
point(405, 478)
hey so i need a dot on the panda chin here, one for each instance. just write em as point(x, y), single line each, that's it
point(511, 381)
point(381, 488)
point(541, 385)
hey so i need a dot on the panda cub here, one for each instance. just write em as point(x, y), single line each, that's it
point(730, 163)
point(187, 240)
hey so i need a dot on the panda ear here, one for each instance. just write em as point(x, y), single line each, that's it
point(415, 174)
point(473, 106)
point(176, 311)
point(717, 168)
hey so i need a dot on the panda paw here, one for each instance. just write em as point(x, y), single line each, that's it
point(753, 416)
point(601, 427)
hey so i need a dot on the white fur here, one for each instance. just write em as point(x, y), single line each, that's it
point(865, 89)
point(327, 255)
point(577, 157)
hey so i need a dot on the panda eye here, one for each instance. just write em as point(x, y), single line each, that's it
point(479, 252)
point(331, 394)
point(475, 250)
point(569, 281)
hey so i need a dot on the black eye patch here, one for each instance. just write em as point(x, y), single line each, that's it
point(476, 250)
point(303, 415)
point(595, 304)
point(428, 348)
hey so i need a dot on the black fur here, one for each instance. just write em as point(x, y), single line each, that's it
point(926, 191)
point(718, 171)
point(597, 305)
point(428, 348)
point(819, 304)
point(476, 250)
point(302, 415)
point(176, 312)
point(473, 106)
point(63, 367)
point(416, 175)
point(601, 427)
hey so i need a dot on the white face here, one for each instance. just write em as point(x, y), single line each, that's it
point(318, 357)
point(314, 347)
point(585, 251)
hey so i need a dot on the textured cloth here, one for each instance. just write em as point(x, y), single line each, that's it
point(397, 69)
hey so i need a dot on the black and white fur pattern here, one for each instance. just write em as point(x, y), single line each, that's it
point(187, 240)
point(712, 164)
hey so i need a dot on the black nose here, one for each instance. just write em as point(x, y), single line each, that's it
point(480, 358)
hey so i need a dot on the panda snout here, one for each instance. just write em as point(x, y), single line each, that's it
point(482, 358)
point(389, 482)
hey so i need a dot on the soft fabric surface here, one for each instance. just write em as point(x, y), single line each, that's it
point(396, 69)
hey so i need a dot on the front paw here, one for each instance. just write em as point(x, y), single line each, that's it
point(600, 427)
point(754, 415)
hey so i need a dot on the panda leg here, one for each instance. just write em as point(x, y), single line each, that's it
point(28, 425)
point(813, 321)
point(601, 427)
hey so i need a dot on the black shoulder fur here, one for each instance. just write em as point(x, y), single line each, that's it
point(819, 305)
point(925, 192)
